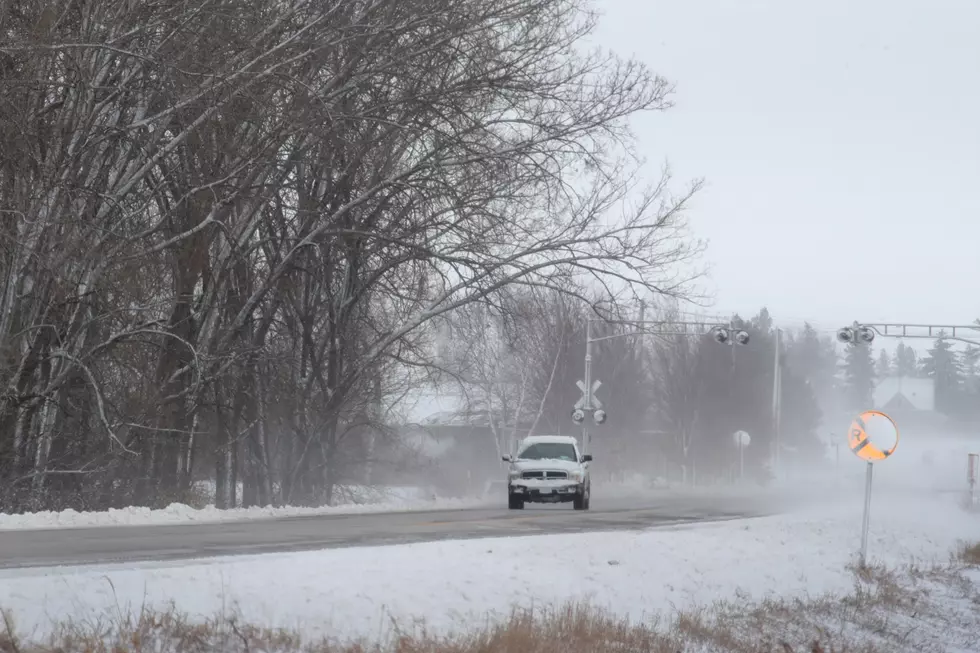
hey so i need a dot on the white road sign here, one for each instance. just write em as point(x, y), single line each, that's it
point(581, 404)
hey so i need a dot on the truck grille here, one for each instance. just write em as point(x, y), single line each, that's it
point(551, 475)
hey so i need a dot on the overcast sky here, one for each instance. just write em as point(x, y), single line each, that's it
point(840, 142)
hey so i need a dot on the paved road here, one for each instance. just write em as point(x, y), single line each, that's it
point(140, 543)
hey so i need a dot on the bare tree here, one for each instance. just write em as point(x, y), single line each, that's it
point(678, 395)
point(227, 224)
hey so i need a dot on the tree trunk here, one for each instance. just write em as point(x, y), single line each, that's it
point(263, 468)
point(222, 461)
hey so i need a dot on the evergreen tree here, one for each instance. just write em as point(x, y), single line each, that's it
point(814, 358)
point(883, 367)
point(859, 377)
point(703, 392)
point(943, 366)
point(970, 364)
point(906, 363)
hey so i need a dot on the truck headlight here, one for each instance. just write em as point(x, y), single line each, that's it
point(514, 473)
point(577, 476)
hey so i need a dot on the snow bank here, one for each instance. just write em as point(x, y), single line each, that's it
point(357, 500)
point(357, 592)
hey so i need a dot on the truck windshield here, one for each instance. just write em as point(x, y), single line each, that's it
point(549, 451)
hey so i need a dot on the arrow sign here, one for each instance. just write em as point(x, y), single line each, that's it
point(583, 404)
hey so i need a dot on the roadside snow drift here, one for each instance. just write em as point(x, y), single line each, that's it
point(354, 500)
point(366, 500)
point(361, 592)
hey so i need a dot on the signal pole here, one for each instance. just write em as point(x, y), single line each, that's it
point(724, 333)
point(776, 398)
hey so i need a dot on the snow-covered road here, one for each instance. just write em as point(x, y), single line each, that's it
point(357, 592)
point(131, 544)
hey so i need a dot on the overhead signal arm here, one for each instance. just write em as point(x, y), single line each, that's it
point(866, 332)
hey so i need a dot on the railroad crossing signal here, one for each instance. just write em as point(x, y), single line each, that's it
point(857, 333)
point(723, 336)
point(588, 402)
point(865, 333)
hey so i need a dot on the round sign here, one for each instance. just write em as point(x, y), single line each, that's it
point(873, 436)
point(742, 438)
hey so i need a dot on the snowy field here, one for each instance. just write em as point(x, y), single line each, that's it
point(360, 592)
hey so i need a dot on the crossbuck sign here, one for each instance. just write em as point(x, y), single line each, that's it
point(583, 402)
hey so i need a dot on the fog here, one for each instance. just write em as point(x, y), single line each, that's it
point(344, 308)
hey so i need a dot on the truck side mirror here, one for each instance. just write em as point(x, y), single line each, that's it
point(587, 458)
point(507, 458)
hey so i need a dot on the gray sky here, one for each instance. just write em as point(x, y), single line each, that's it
point(839, 140)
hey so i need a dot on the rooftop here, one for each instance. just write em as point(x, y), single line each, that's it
point(905, 392)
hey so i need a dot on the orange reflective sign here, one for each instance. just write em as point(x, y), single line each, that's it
point(860, 443)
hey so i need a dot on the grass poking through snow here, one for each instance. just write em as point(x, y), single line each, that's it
point(912, 609)
point(970, 554)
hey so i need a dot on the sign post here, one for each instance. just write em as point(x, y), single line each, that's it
point(837, 464)
point(742, 440)
point(866, 520)
point(883, 428)
point(973, 469)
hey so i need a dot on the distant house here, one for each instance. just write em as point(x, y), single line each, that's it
point(911, 402)
point(459, 440)
point(905, 394)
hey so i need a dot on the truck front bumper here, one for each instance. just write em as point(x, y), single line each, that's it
point(534, 491)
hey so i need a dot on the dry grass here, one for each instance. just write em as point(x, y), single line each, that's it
point(970, 554)
point(920, 609)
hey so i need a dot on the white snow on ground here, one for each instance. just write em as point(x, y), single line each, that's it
point(398, 499)
point(357, 592)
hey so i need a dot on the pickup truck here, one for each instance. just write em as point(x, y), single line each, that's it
point(549, 469)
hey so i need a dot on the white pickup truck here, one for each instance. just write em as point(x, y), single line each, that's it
point(549, 469)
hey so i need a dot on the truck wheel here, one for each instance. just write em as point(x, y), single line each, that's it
point(582, 501)
point(515, 502)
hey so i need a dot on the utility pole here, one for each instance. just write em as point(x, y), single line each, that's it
point(589, 399)
point(776, 397)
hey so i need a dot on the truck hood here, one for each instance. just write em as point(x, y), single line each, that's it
point(546, 465)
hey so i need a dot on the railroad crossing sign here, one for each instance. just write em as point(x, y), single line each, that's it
point(881, 427)
point(871, 425)
point(583, 402)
